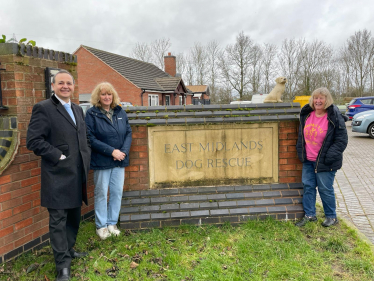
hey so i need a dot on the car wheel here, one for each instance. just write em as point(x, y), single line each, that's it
point(371, 131)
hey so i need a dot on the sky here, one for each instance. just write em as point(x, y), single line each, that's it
point(117, 25)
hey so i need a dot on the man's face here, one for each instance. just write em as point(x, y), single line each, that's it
point(63, 86)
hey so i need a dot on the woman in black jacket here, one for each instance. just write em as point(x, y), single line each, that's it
point(110, 136)
point(321, 142)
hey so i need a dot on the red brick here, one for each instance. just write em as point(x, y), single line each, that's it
point(5, 179)
point(134, 155)
point(6, 231)
point(282, 136)
point(6, 214)
point(10, 186)
point(31, 197)
point(286, 167)
point(287, 130)
point(294, 173)
point(29, 165)
point(282, 173)
point(23, 241)
point(143, 154)
point(287, 180)
point(36, 187)
point(132, 181)
point(142, 129)
point(21, 176)
point(40, 232)
point(143, 168)
point(139, 148)
point(14, 236)
point(132, 169)
point(138, 174)
point(33, 227)
point(281, 149)
point(5, 197)
point(6, 249)
point(22, 208)
point(291, 148)
point(293, 161)
point(282, 161)
point(21, 191)
point(144, 180)
point(287, 142)
point(31, 213)
point(139, 135)
point(21, 159)
point(12, 220)
point(299, 166)
point(11, 203)
point(23, 224)
point(30, 181)
point(35, 172)
point(287, 155)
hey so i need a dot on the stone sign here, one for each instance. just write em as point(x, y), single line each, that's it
point(213, 154)
point(9, 141)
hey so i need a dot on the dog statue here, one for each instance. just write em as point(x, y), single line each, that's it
point(276, 93)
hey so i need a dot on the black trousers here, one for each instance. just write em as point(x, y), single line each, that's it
point(63, 230)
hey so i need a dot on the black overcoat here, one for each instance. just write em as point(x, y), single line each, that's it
point(52, 132)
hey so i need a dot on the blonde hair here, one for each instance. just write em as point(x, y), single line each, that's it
point(324, 92)
point(108, 88)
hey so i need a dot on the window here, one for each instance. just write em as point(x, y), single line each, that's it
point(167, 100)
point(152, 100)
point(180, 100)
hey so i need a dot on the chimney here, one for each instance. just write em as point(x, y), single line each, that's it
point(170, 64)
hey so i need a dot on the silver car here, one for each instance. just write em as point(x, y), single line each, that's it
point(364, 123)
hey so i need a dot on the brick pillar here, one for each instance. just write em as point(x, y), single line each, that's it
point(289, 164)
point(23, 222)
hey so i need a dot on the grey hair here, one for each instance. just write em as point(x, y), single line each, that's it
point(60, 72)
point(324, 92)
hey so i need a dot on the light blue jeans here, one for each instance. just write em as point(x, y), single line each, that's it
point(107, 213)
point(324, 181)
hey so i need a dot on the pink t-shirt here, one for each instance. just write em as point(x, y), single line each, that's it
point(314, 133)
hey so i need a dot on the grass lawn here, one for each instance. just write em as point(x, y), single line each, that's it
point(256, 250)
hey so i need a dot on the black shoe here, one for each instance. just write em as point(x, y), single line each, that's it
point(330, 222)
point(63, 274)
point(305, 220)
point(77, 255)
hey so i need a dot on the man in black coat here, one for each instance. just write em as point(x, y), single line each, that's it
point(57, 133)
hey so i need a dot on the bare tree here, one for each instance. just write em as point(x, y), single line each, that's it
point(190, 70)
point(290, 61)
point(213, 53)
point(358, 53)
point(235, 64)
point(256, 68)
point(159, 49)
point(199, 60)
point(143, 52)
point(269, 66)
point(181, 64)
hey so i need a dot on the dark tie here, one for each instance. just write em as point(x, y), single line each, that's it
point(68, 109)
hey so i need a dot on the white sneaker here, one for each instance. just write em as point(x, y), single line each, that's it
point(114, 230)
point(103, 233)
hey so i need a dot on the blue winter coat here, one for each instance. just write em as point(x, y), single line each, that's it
point(330, 156)
point(106, 136)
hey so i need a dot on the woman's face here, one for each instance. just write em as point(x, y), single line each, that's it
point(319, 102)
point(105, 99)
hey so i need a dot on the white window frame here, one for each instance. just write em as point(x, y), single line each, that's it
point(181, 100)
point(153, 100)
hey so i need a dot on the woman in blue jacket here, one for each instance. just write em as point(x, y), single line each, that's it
point(110, 137)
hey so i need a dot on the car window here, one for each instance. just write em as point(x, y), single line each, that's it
point(352, 101)
point(367, 101)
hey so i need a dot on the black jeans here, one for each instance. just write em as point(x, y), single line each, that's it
point(63, 230)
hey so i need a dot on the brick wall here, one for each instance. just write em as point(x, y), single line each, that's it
point(170, 64)
point(137, 173)
point(289, 164)
point(23, 222)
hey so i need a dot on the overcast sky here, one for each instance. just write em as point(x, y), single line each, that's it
point(117, 25)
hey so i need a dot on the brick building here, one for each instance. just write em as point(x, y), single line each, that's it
point(201, 94)
point(138, 82)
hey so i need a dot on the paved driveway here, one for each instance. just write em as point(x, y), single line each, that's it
point(354, 183)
